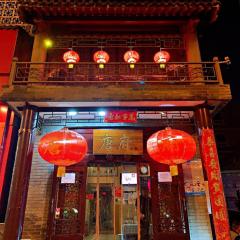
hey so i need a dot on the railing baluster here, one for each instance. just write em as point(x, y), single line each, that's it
point(13, 71)
point(218, 70)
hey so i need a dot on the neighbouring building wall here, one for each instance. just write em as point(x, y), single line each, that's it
point(231, 183)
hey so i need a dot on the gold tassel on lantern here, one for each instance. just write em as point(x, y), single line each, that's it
point(61, 171)
point(174, 170)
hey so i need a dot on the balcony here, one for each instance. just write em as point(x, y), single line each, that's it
point(184, 83)
point(57, 73)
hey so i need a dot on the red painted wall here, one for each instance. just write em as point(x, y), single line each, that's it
point(7, 48)
point(5, 137)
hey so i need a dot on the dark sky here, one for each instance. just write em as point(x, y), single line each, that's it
point(221, 39)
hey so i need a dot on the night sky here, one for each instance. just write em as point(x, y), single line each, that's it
point(222, 38)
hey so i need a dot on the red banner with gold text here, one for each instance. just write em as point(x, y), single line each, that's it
point(219, 209)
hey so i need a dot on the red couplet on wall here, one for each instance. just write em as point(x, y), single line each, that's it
point(219, 209)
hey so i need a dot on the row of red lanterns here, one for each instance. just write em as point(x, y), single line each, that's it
point(102, 57)
point(168, 146)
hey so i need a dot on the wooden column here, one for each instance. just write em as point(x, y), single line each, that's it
point(21, 175)
point(191, 40)
point(39, 52)
point(212, 174)
point(193, 51)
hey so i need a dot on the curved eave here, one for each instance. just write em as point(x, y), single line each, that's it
point(202, 9)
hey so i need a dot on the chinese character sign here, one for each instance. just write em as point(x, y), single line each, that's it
point(117, 142)
point(194, 187)
point(219, 210)
point(121, 116)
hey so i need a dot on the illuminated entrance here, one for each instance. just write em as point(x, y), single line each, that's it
point(109, 202)
point(112, 202)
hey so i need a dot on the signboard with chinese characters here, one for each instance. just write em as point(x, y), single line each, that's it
point(117, 142)
point(121, 116)
point(68, 178)
point(194, 187)
point(219, 209)
point(164, 177)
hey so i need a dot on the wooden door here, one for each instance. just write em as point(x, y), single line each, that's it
point(169, 204)
point(68, 207)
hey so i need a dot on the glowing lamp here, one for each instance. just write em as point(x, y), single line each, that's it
point(71, 57)
point(171, 147)
point(62, 148)
point(131, 57)
point(48, 43)
point(161, 57)
point(101, 57)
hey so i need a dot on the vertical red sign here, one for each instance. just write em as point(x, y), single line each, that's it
point(219, 209)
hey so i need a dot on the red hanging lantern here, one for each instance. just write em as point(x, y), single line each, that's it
point(161, 57)
point(171, 146)
point(131, 57)
point(71, 57)
point(101, 57)
point(62, 148)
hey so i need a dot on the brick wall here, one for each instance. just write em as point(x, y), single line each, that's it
point(199, 223)
point(39, 192)
point(198, 218)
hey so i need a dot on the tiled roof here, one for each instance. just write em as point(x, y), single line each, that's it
point(55, 9)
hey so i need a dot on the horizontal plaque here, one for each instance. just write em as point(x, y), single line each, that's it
point(121, 116)
point(117, 142)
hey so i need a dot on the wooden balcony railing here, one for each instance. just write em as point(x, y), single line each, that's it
point(56, 73)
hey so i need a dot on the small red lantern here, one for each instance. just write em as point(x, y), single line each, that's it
point(131, 57)
point(171, 146)
point(62, 148)
point(101, 57)
point(161, 57)
point(71, 57)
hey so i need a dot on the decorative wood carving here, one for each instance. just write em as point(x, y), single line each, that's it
point(71, 201)
point(168, 202)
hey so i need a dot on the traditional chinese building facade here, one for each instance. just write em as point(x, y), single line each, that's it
point(115, 72)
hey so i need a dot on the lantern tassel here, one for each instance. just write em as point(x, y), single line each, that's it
point(174, 170)
point(61, 171)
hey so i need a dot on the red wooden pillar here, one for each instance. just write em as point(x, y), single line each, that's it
point(20, 181)
point(6, 120)
point(212, 169)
